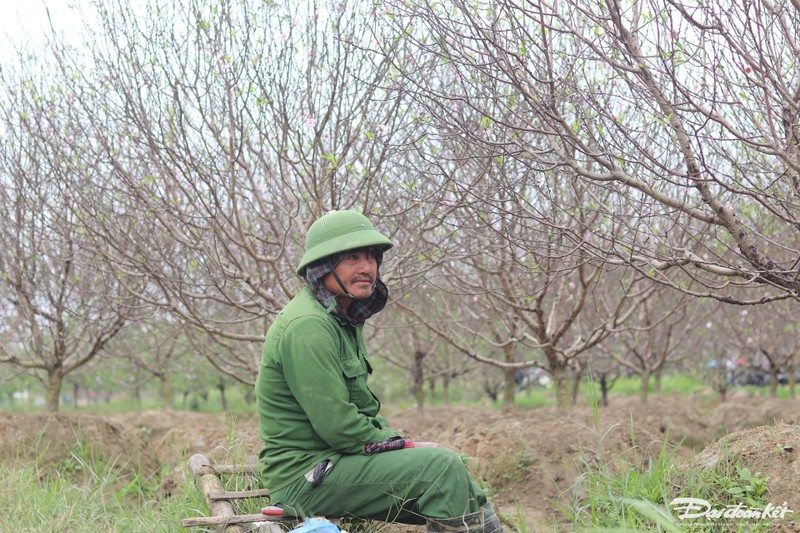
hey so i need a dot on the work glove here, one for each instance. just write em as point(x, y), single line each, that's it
point(395, 443)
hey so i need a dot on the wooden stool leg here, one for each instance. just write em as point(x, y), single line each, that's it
point(210, 483)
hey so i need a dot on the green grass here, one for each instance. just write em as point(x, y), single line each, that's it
point(81, 497)
point(397, 397)
point(532, 398)
point(85, 491)
point(235, 397)
point(783, 391)
point(625, 386)
point(632, 491)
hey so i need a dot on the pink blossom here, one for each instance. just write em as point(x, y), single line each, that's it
point(310, 122)
point(285, 35)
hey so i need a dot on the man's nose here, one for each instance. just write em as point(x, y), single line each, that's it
point(367, 264)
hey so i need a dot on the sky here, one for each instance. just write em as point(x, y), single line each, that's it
point(26, 21)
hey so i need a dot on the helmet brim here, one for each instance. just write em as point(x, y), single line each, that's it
point(349, 241)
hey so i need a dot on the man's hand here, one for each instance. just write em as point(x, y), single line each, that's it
point(395, 443)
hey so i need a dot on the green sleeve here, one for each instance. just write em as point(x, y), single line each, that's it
point(312, 369)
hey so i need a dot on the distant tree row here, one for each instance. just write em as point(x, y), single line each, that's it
point(570, 186)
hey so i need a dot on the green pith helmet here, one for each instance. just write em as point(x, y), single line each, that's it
point(339, 231)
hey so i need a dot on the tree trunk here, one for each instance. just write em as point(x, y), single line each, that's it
point(446, 388)
point(75, 391)
point(249, 395)
point(558, 370)
point(418, 378)
point(509, 389)
point(603, 391)
point(657, 377)
point(644, 386)
point(136, 395)
point(222, 399)
point(720, 380)
point(510, 384)
point(166, 392)
point(53, 400)
point(773, 382)
point(491, 389)
point(577, 376)
point(791, 381)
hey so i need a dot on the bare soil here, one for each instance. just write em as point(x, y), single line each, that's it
point(531, 459)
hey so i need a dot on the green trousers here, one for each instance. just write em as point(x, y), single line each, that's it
point(405, 486)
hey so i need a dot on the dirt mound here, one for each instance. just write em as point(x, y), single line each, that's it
point(533, 458)
point(530, 458)
point(768, 452)
point(176, 435)
point(67, 439)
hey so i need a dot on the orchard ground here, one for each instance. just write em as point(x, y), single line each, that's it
point(532, 460)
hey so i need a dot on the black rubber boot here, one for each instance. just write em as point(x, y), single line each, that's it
point(491, 522)
point(470, 523)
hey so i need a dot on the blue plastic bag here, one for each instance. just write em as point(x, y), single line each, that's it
point(316, 525)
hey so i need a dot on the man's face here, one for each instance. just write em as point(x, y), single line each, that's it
point(358, 270)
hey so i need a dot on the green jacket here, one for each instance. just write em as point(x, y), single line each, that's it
point(312, 394)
